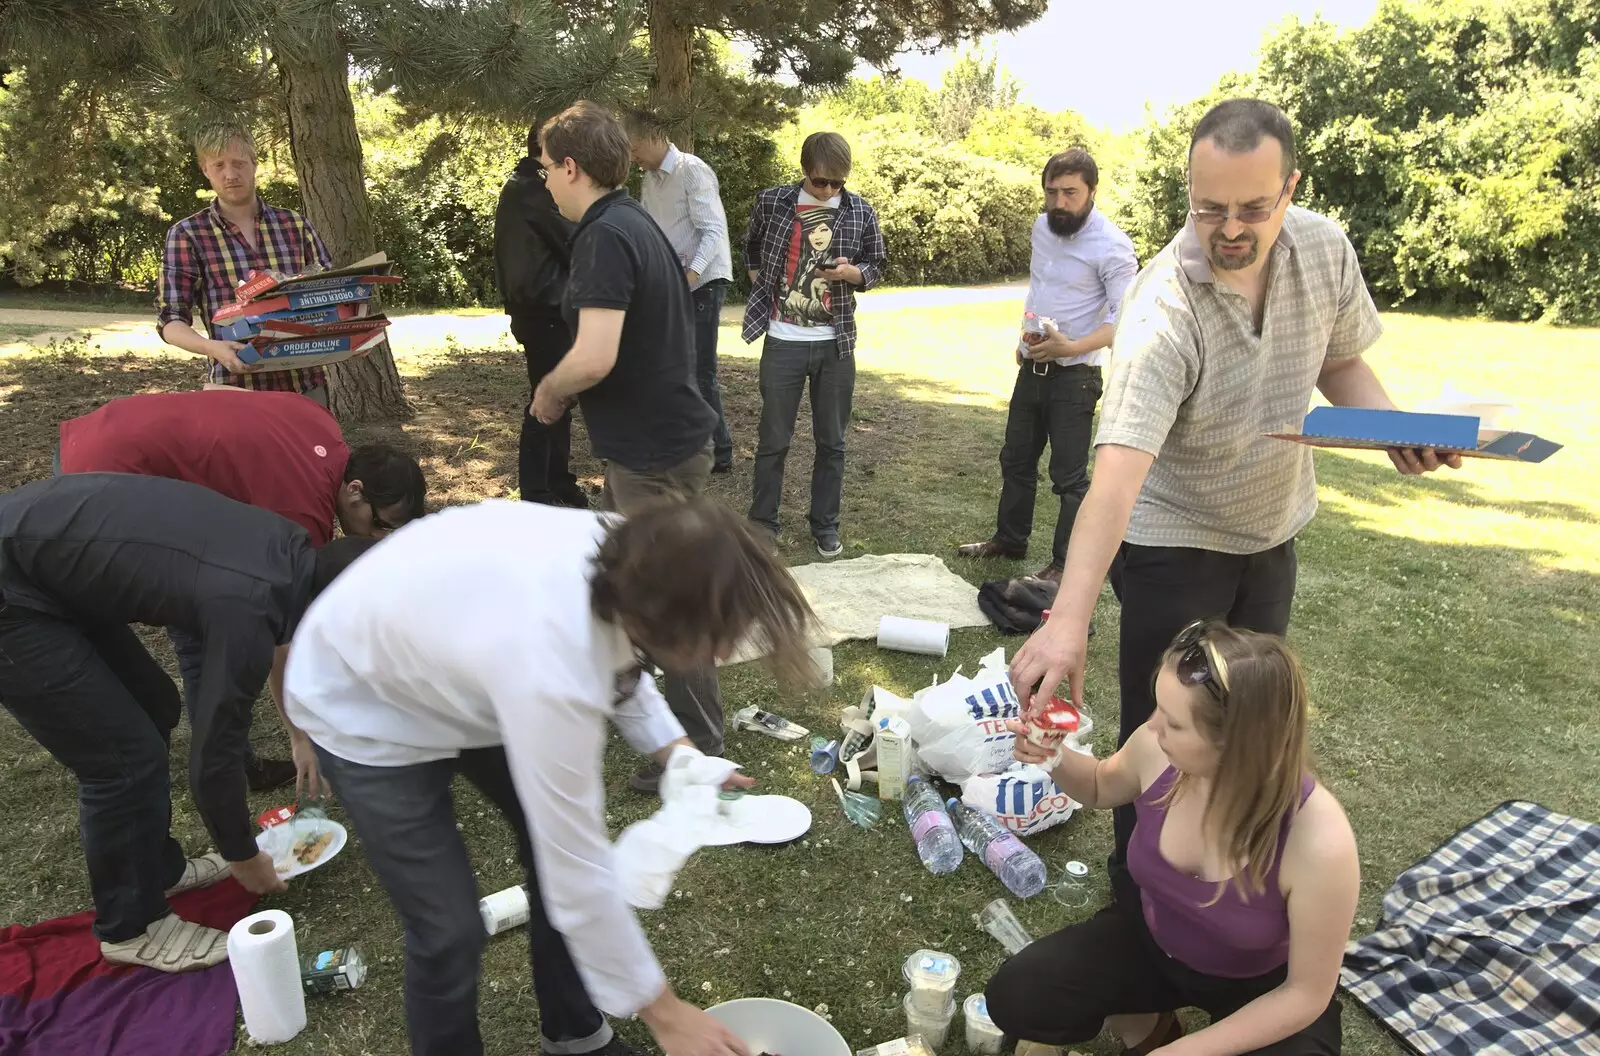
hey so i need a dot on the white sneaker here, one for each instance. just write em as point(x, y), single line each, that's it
point(200, 872)
point(753, 718)
point(170, 945)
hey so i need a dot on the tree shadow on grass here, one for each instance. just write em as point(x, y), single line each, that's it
point(1446, 677)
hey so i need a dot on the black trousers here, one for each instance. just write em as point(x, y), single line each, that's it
point(407, 824)
point(1164, 588)
point(544, 454)
point(100, 704)
point(1060, 989)
point(1057, 408)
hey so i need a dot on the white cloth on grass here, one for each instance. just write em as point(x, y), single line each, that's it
point(849, 597)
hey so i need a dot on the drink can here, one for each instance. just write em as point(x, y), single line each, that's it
point(333, 970)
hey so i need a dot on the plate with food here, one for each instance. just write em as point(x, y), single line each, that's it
point(301, 844)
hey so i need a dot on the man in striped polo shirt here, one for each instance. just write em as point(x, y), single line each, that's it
point(211, 252)
point(1223, 337)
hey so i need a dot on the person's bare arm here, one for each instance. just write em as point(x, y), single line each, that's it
point(1057, 345)
point(1351, 382)
point(181, 335)
point(1322, 873)
point(1057, 649)
point(591, 358)
point(308, 781)
point(1097, 783)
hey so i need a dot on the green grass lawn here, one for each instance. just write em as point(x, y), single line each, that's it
point(1448, 625)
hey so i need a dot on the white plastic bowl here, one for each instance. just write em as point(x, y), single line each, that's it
point(766, 1024)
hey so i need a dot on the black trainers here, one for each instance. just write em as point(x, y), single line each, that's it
point(828, 544)
point(264, 775)
point(616, 1047)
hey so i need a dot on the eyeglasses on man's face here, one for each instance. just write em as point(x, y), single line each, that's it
point(1245, 214)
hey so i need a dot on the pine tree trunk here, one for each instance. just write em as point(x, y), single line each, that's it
point(672, 47)
point(327, 158)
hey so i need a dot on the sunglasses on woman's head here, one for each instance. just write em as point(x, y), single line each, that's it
point(1199, 663)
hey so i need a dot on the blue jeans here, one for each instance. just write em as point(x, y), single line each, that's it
point(190, 651)
point(407, 824)
point(707, 318)
point(786, 368)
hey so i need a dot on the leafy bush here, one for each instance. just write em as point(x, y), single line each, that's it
point(1459, 145)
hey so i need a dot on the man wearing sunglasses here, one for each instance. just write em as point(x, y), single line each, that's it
point(1224, 336)
point(809, 247)
point(275, 450)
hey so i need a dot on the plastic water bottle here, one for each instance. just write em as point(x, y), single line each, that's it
point(1023, 872)
point(937, 843)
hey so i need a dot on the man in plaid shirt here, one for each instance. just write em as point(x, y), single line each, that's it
point(211, 252)
point(809, 246)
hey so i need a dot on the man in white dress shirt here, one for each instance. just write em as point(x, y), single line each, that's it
point(1082, 265)
point(681, 194)
point(457, 648)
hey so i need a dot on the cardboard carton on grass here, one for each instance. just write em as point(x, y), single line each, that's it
point(1462, 434)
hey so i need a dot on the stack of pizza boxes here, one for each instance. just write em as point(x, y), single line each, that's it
point(307, 320)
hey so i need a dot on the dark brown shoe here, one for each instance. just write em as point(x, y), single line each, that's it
point(990, 548)
point(1050, 574)
point(1168, 1029)
point(264, 775)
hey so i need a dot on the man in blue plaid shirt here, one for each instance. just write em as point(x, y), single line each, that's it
point(809, 247)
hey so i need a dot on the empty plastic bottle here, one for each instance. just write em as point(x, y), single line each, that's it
point(1023, 872)
point(937, 843)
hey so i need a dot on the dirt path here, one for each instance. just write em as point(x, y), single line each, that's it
point(411, 334)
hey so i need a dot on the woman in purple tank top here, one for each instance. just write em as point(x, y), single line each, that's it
point(1244, 874)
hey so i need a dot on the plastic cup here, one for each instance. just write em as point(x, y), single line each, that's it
point(997, 919)
point(932, 977)
point(933, 1026)
point(983, 1037)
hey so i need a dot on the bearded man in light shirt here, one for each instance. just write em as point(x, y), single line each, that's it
point(1082, 265)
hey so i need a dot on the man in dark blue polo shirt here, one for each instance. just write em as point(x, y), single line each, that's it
point(631, 367)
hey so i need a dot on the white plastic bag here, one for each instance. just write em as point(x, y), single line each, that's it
point(1024, 798)
point(649, 853)
point(959, 726)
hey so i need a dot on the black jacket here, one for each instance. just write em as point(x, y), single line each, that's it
point(118, 548)
point(531, 251)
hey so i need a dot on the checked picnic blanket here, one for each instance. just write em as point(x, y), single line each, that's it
point(1490, 946)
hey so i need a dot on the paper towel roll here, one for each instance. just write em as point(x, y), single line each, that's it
point(913, 636)
point(266, 969)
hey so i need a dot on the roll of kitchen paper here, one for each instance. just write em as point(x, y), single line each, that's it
point(913, 636)
point(266, 969)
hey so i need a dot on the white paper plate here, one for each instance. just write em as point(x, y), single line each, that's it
point(301, 827)
point(761, 819)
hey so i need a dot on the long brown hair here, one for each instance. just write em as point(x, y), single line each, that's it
point(682, 573)
point(1260, 729)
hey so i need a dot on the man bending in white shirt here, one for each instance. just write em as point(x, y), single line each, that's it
point(454, 647)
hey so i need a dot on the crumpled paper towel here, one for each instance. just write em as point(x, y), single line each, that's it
point(649, 853)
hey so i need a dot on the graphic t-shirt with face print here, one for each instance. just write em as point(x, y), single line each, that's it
point(804, 308)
